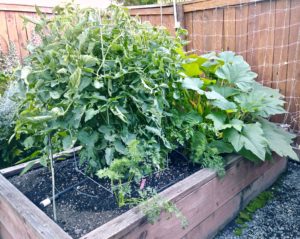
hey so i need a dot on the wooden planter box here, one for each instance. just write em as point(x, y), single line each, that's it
point(207, 201)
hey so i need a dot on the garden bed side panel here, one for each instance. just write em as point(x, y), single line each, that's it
point(207, 201)
point(20, 218)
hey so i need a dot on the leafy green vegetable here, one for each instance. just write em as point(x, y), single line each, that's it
point(278, 139)
point(251, 138)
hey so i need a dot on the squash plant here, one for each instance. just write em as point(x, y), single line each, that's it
point(234, 108)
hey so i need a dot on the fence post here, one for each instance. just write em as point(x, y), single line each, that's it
point(180, 15)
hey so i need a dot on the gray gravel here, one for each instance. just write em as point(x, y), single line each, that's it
point(280, 218)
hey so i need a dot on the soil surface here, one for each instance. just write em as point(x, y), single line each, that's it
point(88, 205)
point(280, 218)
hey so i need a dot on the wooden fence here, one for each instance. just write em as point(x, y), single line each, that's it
point(265, 32)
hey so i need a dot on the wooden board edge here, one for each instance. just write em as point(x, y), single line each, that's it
point(14, 170)
point(266, 180)
point(24, 8)
point(215, 222)
point(134, 217)
point(35, 222)
point(210, 4)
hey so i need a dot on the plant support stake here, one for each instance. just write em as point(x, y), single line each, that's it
point(176, 23)
point(53, 177)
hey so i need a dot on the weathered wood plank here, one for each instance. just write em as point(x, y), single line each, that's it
point(22, 35)
point(197, 205)
point(293, 72)
point(133, 219)
point(222, 216)
point(281, 39)
point(241, 30)
point(208, 31)
point(189, 26)
point(217, 220)
point(23, 8)
point(254, 40)
point(14, 170)
point(253, 35)
point(4, 41)
point(151, 11)
point(264, 181)
point(180, 15)
point(229, 29)
point(265, 42)
point(218, 26)
point(22, 218)
point(12, 31)
point(209, 4)
point(198, 31)
point(4, 234)
point(280, 49)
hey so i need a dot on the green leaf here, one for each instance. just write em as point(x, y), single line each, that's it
point(62, 71)
point(120, 148)
point(198, 146)
point(75, 78)
point(98, 84)
point(54, 95)
point(89, 60)
point(191, 69)
point(90, 113)
point(234, 123)
point(223, 147)
point(67, 142)
point(219, 101)
point(261, 101)
point(251, 137)
point(109, 155)
point(88, 139)
point(25, 72)
point(218, 119)
point(225, 91)
point(239, 74)
point(212, 95)
point(230, 57)
point(193, 84)
point(224, 104)
point(27, 168)
point(279, 140)
point(153, 130)
point(28, 142)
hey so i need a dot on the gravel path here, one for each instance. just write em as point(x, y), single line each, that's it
point(280, 218)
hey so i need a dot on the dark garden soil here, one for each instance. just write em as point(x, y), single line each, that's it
point(88, 205)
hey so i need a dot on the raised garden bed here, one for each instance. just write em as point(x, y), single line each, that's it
point(207, 201)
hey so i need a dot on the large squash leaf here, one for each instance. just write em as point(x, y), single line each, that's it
point(279, 140)
point(251, 138)
point(238, 73)
point(193, 84)
point(261, 101)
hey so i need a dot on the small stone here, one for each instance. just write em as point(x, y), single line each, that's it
point(77, 231)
